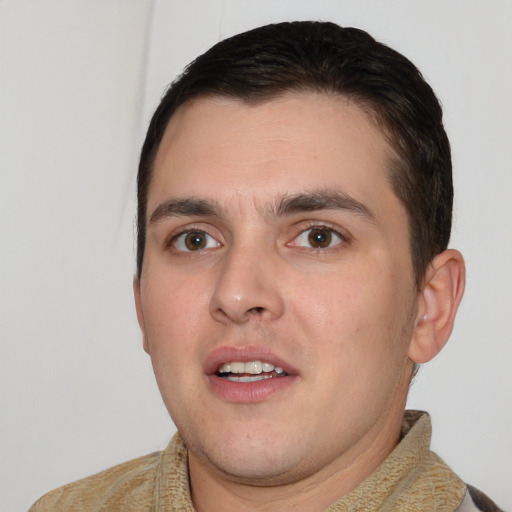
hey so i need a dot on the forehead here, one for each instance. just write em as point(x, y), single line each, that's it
point(293, 143)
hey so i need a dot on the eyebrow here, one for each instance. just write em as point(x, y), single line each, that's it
point(188, 207)
point(286, 205)
point(322, 200)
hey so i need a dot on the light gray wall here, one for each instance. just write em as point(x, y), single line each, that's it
point(78, 82)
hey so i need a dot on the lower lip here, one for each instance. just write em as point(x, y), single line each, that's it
point(248, 392)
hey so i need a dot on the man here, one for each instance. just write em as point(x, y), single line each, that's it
point(294, 212)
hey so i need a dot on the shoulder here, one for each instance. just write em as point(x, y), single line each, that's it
point(128, 486)
point(476, 501)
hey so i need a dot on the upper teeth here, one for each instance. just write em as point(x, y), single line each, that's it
point(251, 367)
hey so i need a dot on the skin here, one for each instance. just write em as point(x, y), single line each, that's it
point(346, 316)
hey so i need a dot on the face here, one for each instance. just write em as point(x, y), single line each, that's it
point(277, 296)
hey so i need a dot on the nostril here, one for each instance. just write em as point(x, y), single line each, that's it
point(257, 310)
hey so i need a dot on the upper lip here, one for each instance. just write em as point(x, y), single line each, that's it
point(246, 353)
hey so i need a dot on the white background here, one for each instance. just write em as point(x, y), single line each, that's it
point(78, 82)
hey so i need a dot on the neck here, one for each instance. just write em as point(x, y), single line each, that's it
point(213, 490)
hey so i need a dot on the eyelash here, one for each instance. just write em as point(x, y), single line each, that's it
point(174, 237)
point(343, 238)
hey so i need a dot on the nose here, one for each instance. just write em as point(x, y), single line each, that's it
point(247, 287)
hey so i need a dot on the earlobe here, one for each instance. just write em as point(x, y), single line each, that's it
point(140, 313)
point(438, 303)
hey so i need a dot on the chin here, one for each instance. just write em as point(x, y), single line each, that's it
point(248, 460)
point(260, 472)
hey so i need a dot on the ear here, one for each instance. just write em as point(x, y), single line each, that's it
point(439, 300)
point(140, 312)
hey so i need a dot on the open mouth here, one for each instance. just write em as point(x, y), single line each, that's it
point(250, 371)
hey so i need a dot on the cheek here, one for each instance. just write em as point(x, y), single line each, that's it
point(174, 312)
point(357, 314)
point(174, 316)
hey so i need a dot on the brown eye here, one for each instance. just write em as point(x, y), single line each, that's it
point(320, 238)
point(193, 241)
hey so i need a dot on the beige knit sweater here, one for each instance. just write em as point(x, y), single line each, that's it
point(411, 479)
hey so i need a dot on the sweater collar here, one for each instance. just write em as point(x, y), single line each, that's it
point(410, 479)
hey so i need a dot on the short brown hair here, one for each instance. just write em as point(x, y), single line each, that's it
point(264, 62)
